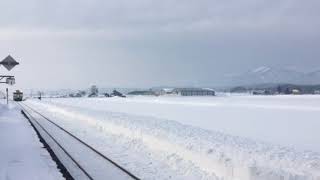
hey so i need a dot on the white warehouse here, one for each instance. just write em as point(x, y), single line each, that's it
point(193, 91)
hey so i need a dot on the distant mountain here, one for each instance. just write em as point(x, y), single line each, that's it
point(312, 77)
point(264, 75)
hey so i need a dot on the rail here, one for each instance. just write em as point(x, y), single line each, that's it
point(71, 159)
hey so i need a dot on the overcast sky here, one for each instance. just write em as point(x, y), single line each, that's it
point(143, 43)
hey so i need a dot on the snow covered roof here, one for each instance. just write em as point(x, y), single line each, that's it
point(168, 89)
point(193, 89)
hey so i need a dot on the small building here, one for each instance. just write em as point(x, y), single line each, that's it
point(193, 92)
point(164, 91)
point(258, 92)
point(262, 92)
point(144, 93)
point(316, 92)
point(296, 91)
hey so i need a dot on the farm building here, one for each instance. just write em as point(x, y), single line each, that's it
point(296, 91)
point(164, 91)
point(145, 93)
point(193, 92)
point(316, 92)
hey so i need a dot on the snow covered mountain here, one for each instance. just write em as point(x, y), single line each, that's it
point(263, 74)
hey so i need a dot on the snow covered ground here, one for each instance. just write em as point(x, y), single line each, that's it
point(229, 137)
point(21, 153)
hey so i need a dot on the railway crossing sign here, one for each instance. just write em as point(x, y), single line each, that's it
point(9, 63)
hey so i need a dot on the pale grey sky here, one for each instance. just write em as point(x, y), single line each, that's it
point(142, 43)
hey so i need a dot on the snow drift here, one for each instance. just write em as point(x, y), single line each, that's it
point(171, 149)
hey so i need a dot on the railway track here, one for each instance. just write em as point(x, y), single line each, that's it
point(81, 160)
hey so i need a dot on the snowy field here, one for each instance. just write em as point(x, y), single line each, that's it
point(22, 156)
point(229, 137)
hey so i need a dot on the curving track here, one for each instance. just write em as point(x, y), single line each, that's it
point(81, 160)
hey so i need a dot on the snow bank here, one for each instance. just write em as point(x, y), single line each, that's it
point(293, 120)
point(187, 150)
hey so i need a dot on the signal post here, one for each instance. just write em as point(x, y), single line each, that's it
point(8, 63)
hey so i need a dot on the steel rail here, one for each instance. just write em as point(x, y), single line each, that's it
point(84, 143)
point(63, 149)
